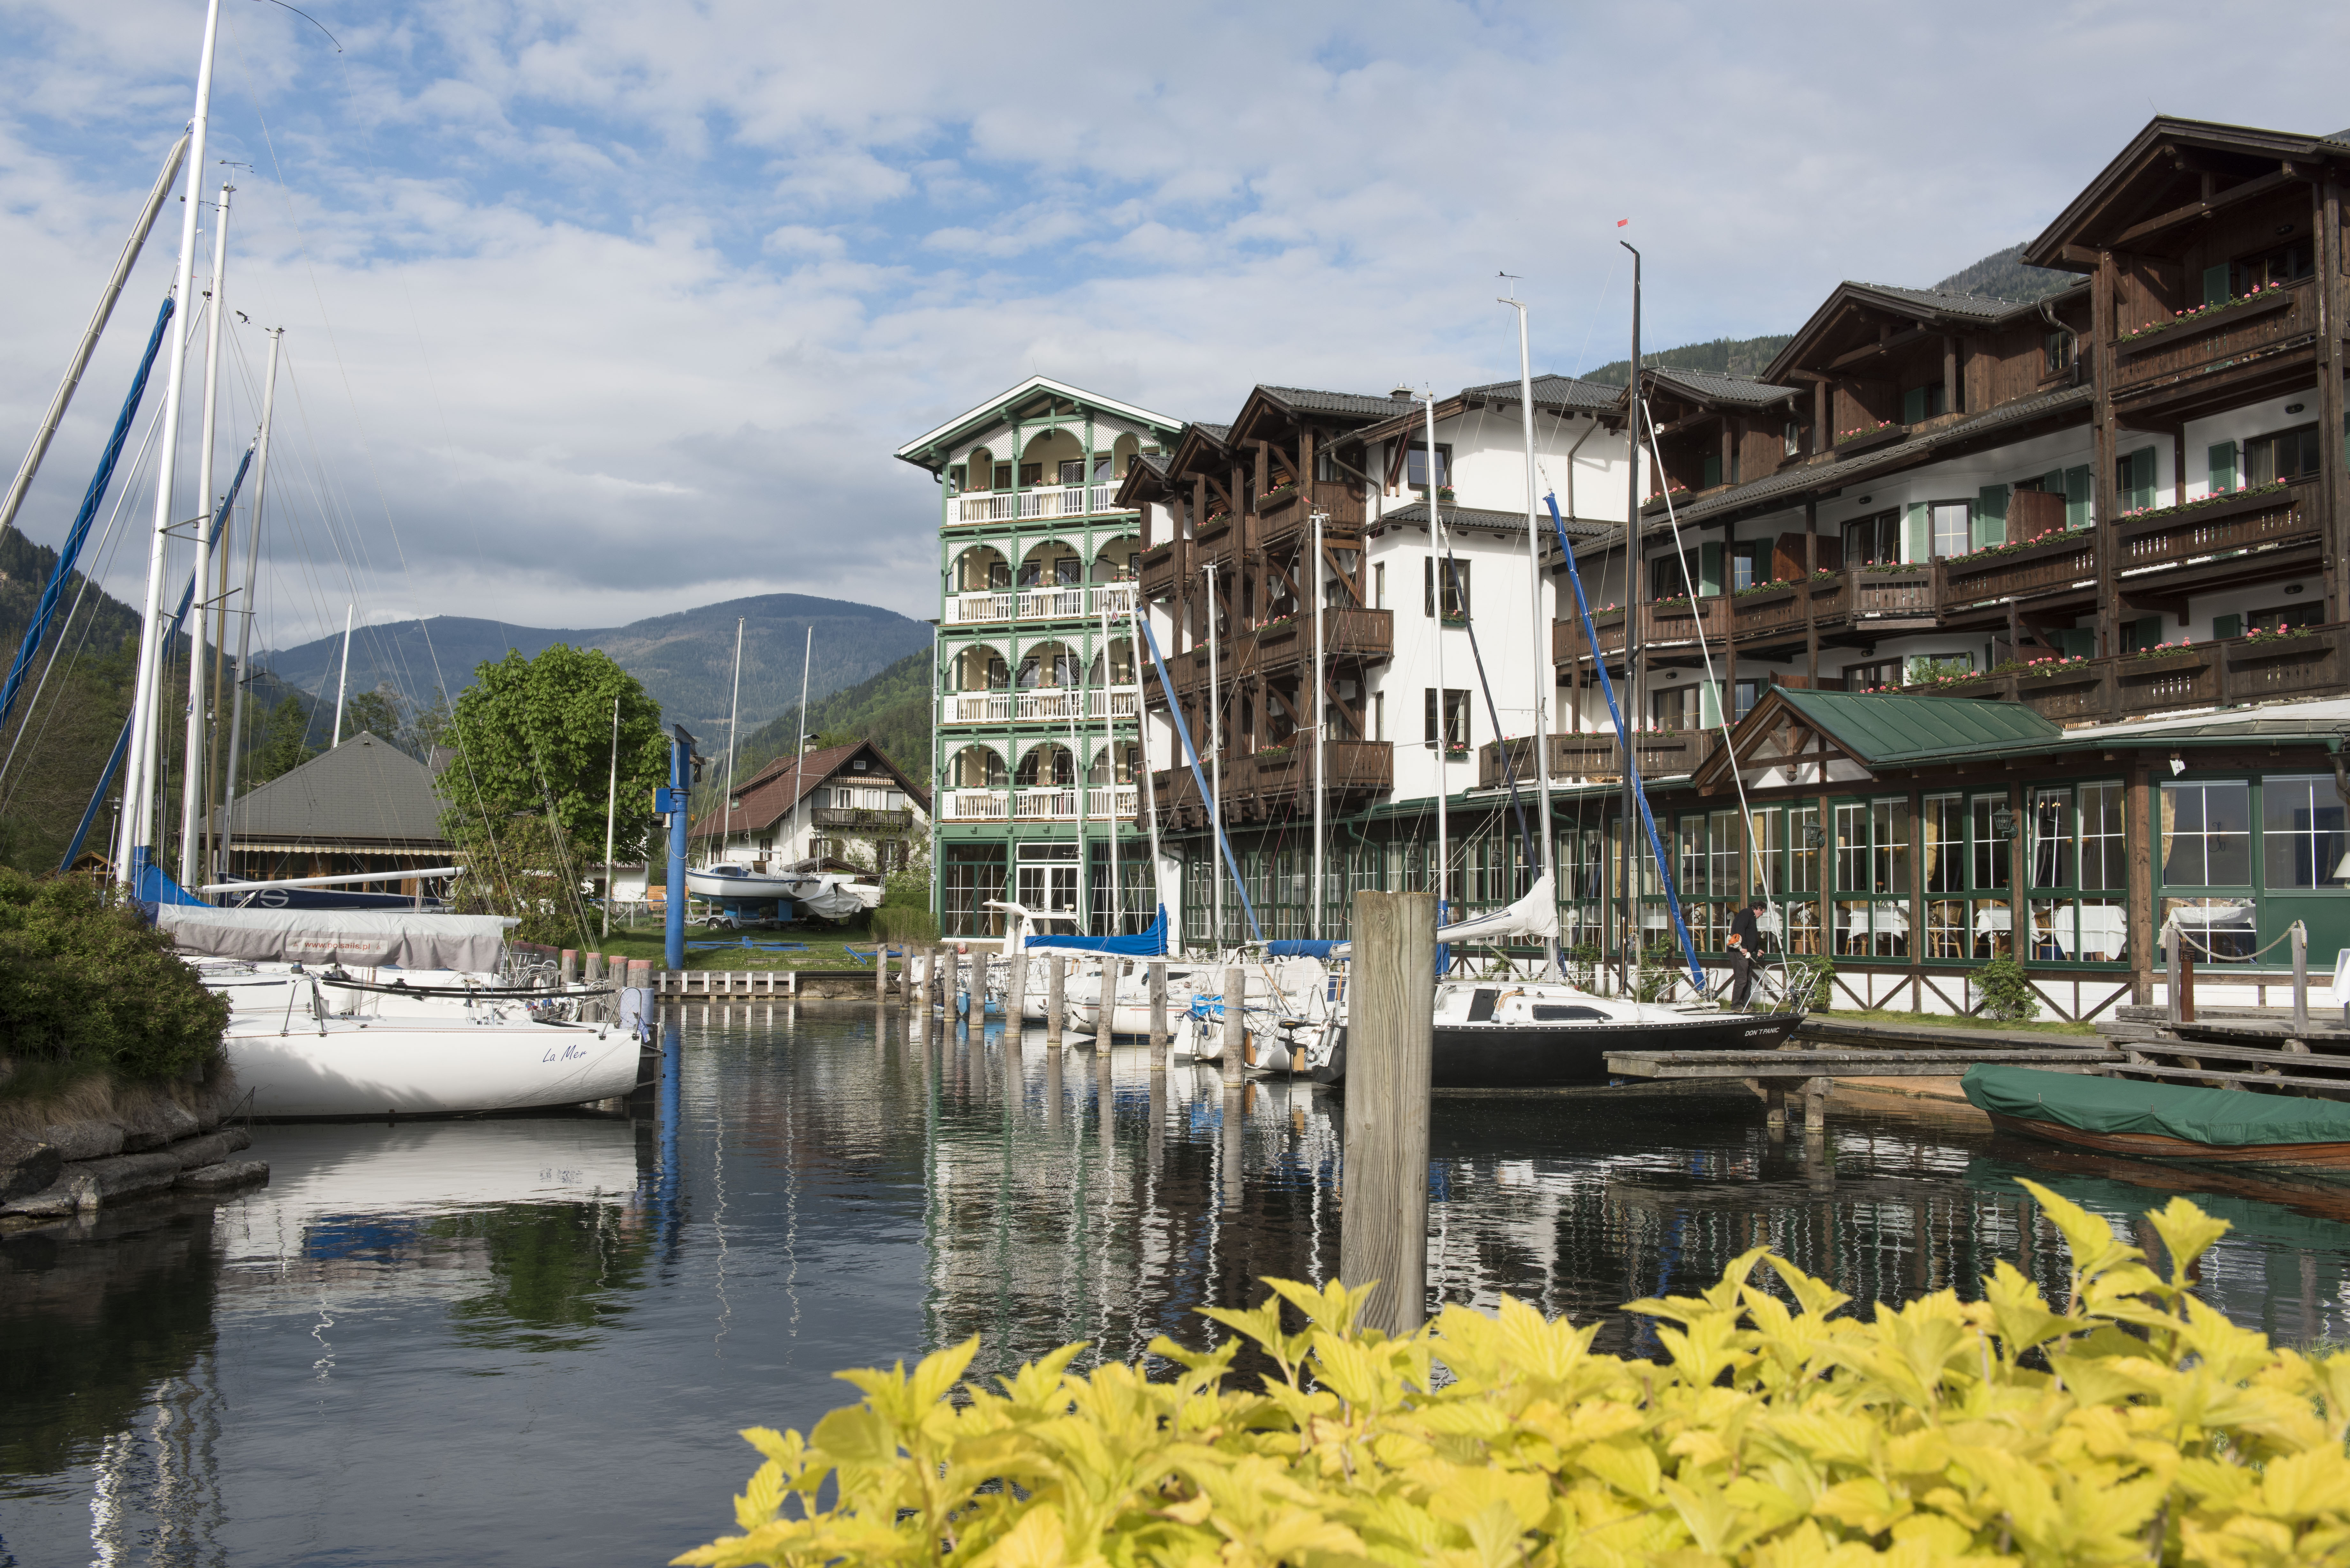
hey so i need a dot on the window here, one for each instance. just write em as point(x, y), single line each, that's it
point(955, 474)
point(1952, 527)
point(1414, 467)
point(2301, 832)
point(1872, 862)
point(1872, 540)
point(2104, 863)
point(1667, 580)
point(1454, 574)
point(1677, 707)
point(1379, 715)
point(971, 874)
point(1073, 471)
point(1031, 473)
point(1747, 564)
point(1380, 584)
point(1794, 439)
point(2051, 837)
point(2056, 351)
point(1456, 718)
point(2288, 263)
point(2277, 617)
point(1743, 695)
point(2077, 907)
point(2134, 479)
point(1990, 846)
point(1944, 819)
point(1871, 677)
point(2285, 457)
point(1002, 476)
point(1925, 402)
point(2206, 834)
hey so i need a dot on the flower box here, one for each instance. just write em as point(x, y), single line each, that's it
point(1763, 594)
point(2271, 644)
point(2209, 508)
point(2244, 308)
point(1870, 441)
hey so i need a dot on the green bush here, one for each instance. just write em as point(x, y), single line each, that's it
point(2007, 993)
point(2137, 1425)
point(903, 923)
point(88, 985)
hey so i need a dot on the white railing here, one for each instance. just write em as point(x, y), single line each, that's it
point(1064, 704)
point(965, 608)
point(1019, 506)
point(1040, 604)
point(1043, 805)
point(976, 805)
point(1111, 800)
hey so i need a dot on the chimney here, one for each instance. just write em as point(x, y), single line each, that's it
point(1401, 395)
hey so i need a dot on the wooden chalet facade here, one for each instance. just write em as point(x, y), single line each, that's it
point(847, 803)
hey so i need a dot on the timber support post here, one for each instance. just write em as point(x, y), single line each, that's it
point(1390, 1038)
point(1056, 977)
point(1015, 998)
point(952, 990)
point(2170, 971)
point(2300, 977)
point(880, 971)
point(1107, 1028)
point(1158, 1015)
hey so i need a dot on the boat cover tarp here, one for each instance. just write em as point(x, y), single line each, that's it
point(1322, 950)
point(2226, 1118)
point(1149, 942)
point(365, 937)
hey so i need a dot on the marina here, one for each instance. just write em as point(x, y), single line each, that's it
point(414, 1327)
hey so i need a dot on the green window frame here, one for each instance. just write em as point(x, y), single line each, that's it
point(2076, 903)
point(1871, 840)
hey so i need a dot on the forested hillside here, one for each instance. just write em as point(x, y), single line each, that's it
point(892, 710)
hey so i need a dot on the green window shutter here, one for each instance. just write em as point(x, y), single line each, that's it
point(2227, 625)
point(2078, 644)
point(1990, 515)
point(2145, 632)
point(2222, 458)
point(1709, 704)
point(1712, 475)
point(1709, 569)
point(2215, 284)
point(2077, 497)
point(1916, 544)
point(2053, 482)
point(1913, 405)
point(2138, 488)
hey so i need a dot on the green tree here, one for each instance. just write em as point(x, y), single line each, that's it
point(376, 712)
point(284, 744)
point(534, 736)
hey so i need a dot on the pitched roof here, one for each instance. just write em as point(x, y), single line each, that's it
point(1215, 432)
point(1886, 729)
point(1554, 391)
point(366, 790)
point(766, 796)
point(1790, 482)
point(1983, 307)
point(928, 450)
point(1714, 386)
point(1304, 400)
point(2102, 208)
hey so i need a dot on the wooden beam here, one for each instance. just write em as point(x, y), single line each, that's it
point(2205, 207)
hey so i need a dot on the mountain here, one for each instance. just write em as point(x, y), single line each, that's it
point(2000, 274)
point(892, 710)
point(685, 660)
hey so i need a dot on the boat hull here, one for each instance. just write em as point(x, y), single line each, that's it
point(1534, 1056)
point(368, 1070)
point(2314, 1156)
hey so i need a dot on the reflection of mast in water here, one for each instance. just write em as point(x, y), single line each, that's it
point(157, 1482)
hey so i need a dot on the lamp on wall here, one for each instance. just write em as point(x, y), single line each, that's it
point(2178, 764)
point(2002, 823)
point(1814, 836)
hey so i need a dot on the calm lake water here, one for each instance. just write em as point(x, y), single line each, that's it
point(532, 1341)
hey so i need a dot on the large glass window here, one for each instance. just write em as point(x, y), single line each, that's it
point(2206, 834)
point(2301, 832)
point(2078, 908)
point(1872, 858)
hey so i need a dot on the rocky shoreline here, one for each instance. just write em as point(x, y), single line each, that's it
point(161, 1146)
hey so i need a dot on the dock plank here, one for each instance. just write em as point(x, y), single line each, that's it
point(1859, 1064)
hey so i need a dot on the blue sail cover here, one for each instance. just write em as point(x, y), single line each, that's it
point(1149, 942)
point(1301, 949)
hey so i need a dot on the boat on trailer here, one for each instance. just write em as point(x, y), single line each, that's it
point(2163, 1121)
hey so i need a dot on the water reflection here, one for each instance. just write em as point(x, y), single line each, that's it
point(456, 1314)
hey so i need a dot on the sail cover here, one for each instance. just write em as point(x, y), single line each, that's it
point(1534, 916)
point(369, 937)
point(1149, 942)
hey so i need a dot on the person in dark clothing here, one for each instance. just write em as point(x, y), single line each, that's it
point(1745, 947)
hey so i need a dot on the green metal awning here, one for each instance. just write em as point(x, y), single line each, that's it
point(1888, 730)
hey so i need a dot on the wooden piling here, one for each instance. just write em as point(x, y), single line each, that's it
point(1237, 1020)
point(1055, 979)
point(951, 987)
point(1103, 1031)
point(1016, 999)
point(2300, 977)
point(1158, 1015)
point(1390, 1035)
point(880, 971)
point(1236, 1119)
point(906, 978)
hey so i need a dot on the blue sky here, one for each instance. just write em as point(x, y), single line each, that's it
point(598, 311)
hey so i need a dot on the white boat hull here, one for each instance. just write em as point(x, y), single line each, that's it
point(424, 1067)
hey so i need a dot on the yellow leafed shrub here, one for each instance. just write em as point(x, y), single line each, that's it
point(2137, 1425)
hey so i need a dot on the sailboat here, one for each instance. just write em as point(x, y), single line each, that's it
point(1510, 1032)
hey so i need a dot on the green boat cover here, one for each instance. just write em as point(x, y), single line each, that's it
point(2229, 1118)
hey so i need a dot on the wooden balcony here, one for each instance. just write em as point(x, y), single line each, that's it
point(1874, 593)
point(1593, 754)
point(1163, 566)
point(1286, 520)
point(862, 819)
point(1664, 624)
point(2144, 364)
point(2227, 525)
point(1278, 781)
point(1217, 540)
point(2053, 564)
point(1348, 634)
point(2313, 663)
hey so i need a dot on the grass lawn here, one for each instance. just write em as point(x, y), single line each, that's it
point(1948, 1021)
point(826, 948)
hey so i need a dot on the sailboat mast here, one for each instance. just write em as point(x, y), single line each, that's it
point(195, 776)
point(138, 818)
point(1321, 717)
point(1109, 751)
point(1546, 683)
point(1143, 735)
point(734, 716)
point(1630, 959)
point(611, 809)
point(245, 626)
point(1437, 585)
point(1215, 750)
point(800, 732)
point(343, 680)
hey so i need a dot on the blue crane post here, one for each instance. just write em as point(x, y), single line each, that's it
point(672, 803)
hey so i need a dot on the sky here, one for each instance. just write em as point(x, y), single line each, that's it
point(596, 311)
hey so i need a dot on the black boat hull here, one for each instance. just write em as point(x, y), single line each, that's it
point(1537, 1056)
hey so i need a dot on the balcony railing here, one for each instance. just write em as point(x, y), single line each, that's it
point(1593, 754)
point(1040, 604)
point(1664, 623)
point(1163, 566)
point(865, 819)
point(1346, 634)
point(2314, 661)
point(1065, 705)
point(1052, 804)
point(1027, 505)
point(2224, 525)
point(2050, 564)
point(1908, 593)
point(1276, 780)
point(2145, 361)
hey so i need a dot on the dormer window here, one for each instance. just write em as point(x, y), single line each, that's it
point(1794, 438)
point(857, 764)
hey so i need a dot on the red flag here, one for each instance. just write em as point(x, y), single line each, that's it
point(1621, 222)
